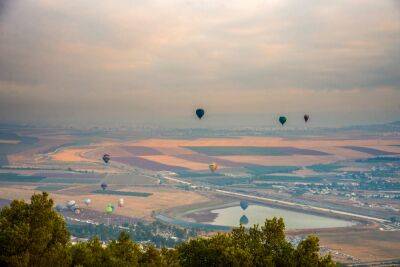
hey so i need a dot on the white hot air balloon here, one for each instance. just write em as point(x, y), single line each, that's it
point(71, 203)
point(87, 201)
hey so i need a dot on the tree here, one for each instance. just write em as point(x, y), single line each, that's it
point(257, 246)
point(33, 234)
point(171, 257)
point(123, 251)
point(307, 254)
point(151, 257)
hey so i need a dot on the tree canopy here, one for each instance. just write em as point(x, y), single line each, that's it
point(33, 234)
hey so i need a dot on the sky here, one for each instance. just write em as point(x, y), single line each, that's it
point(153, 62)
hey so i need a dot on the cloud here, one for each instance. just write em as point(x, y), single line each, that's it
point(143, 56)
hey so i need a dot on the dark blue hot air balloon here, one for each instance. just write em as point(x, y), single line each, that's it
point(200, 113)
point(244, 204)
point(106, 158)
point(103, 185)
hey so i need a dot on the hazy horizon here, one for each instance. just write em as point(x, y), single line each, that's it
point(113, 63)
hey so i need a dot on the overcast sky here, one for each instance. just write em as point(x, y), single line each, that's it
point(125, 62)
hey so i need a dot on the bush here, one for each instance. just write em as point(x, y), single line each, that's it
point(35, 235)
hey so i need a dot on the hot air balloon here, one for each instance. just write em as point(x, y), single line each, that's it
point(71, 203)
point(60, 207)
point(244, 220)
point(109, 208)
point(282, 120)
point(106, 158)
point(200, 113)
point(103, 185)
point(120, 202)
point(244, 204)
point(87, 201)
point(306, 117)
point(75, 209)
point(213, 167)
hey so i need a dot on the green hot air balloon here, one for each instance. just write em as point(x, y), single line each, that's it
point(109, 209)
point(282, 120)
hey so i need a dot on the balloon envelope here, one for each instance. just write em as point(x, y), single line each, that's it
point(77, 211)
point(244, 204)
point(120, 202)
point(103, 186)
point(71, 203)
point(87, 201)
point(244, 220)
point(109, 208)
point(106, 158)
point(306, 117)
point(60, 207)
point(200, 113)
point(282, 119)
point(213, 167)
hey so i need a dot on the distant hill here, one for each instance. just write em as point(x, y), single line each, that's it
point(384, 127)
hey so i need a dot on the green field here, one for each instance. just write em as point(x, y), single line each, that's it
point(71, 180)
point(379, 159)
point(238, 150)
point(288, 179)
point(226, 181)
point(26, 142)
point(253, 150)
point(17, 178)
point(191, 174)
point(325, 167)
point(50, 188)
point(260, 170)
point(122, 193)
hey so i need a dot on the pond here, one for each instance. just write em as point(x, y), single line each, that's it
point(256, 214)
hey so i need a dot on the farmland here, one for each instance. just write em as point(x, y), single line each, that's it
point(170, 176)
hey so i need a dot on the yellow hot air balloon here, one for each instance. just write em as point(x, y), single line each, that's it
point(213, 167)
point(120, 202)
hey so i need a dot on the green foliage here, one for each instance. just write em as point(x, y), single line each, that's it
point(138, 232)
point(258, 246)
point(34, 235)
point(123, 251)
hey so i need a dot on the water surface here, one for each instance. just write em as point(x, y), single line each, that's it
point(293, 219)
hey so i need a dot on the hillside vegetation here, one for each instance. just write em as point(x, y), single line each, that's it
point(33, 234)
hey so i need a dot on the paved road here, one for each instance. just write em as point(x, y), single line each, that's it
point(292, 204)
